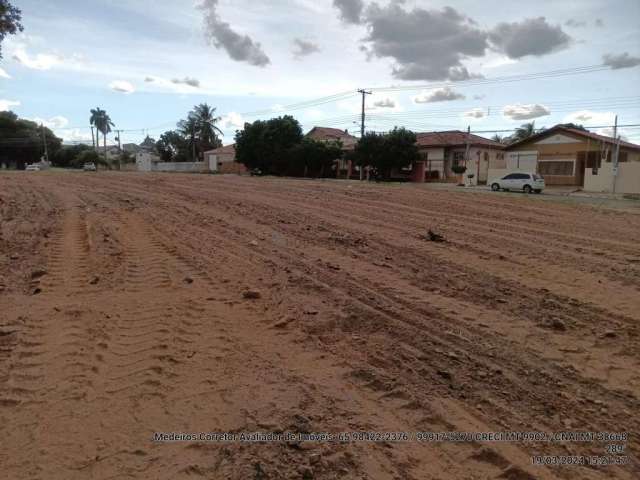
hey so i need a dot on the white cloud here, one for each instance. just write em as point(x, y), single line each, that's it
point(525, 112)
point(584, 116)
point(74, 135)
point(53, 123)
point(7, 104)
point(445, 94)
point(475, 113)
point(40, 61)
point(122, 86)
point(4, 74)
point(232, 120)
point(608, 132)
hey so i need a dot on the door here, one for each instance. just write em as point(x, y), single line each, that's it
point(580, 165)
point(213, 163)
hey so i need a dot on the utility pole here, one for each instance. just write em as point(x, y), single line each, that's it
point(364, 94)
point(119, 142)
point(119, 150)
point(616, 153)
point(44, 141)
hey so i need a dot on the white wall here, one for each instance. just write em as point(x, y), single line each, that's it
point(180, 167)
point(627, 180)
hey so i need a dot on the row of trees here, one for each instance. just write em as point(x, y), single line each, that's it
point(278, 147)
point(23, 142)
point(195, 135)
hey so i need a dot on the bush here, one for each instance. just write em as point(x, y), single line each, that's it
point(459, 169)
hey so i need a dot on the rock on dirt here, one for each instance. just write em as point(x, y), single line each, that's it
point(38, 272)
point(251, 294)
point(434, 237)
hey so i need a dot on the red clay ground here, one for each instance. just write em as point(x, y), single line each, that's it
point(122, 314)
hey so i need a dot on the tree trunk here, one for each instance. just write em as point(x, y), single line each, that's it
point(105, 147)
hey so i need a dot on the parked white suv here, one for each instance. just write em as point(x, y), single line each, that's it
point(526, 182)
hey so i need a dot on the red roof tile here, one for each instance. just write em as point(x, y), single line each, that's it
point(229, 149)
point(454, 138)
point(325, 133)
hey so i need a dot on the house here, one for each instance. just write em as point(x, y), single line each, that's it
point(343, 168)
point(442, 151)
point(223, 160)
point(573, 157)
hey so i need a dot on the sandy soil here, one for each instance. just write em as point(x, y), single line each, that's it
point(123, 313)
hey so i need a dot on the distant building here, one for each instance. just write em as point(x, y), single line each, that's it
point(344, 169)
point(574, 157)
point(223, 160)
point(442, 151)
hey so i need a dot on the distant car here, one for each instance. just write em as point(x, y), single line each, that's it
point(89, 167)
point(34, 167)
point(525, 182)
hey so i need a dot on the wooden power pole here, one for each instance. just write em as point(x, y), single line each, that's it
point(364, 95)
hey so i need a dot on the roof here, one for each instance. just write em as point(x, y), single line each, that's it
point(229, 149)
point(329, 134)
point(577, 132)
point(454, 138)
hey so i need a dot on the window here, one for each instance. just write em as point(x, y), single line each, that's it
point(458, 158)
point(511, 176)
point(562, 168)
point(522, 176)
point(486, 157)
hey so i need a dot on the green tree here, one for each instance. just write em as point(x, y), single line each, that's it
point(267, 145)
point(21, 141)
point(368, 150)
point(399, 151)
point(525, 130)
point(201, 130)
point(66, 156)
point(498, 138)
point(173, 147)
point(574, 126)
point(102, 122)
point(10, 18)
point(313, 158)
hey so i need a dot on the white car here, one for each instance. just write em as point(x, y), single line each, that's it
point(89, 167)
point(525, 182)
point(34, 167)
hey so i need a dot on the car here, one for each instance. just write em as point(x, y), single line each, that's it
point(524, 181)
point(89, 167)
point(34, 167)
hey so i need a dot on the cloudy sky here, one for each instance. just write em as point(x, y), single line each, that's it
point(432, 65)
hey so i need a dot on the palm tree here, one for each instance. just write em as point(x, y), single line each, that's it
point(525, 130)
point(497, 138)
point(96, 114)
point(200, 129)
point(103, 124)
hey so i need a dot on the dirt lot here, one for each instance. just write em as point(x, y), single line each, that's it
point(123, 313)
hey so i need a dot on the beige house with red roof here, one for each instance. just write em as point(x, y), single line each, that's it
point(344, 168)
point(574, 157)
point(223, 160)
point(441, 151)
